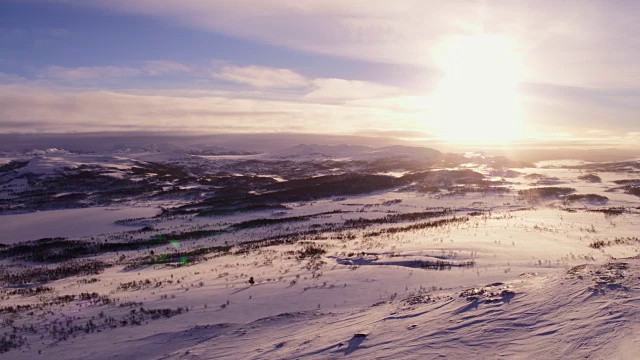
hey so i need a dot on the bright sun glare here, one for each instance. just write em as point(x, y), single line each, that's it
point(477, 99)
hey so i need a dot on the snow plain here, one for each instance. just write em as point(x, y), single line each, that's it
point(391, 274)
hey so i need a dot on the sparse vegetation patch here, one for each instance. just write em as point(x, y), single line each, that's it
point(593, 199)
point(541, 193)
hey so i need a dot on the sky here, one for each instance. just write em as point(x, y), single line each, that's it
point(497, 71)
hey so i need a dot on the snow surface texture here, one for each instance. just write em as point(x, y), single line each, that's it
point(449, 257)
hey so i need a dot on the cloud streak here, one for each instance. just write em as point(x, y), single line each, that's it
point(261, 77)
point(148, 68)
point(341, 89)
point(110, 110)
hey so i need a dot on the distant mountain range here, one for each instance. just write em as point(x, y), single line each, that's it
point(356, 153)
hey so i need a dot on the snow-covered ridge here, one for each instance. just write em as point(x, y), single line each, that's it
point(192, 149)
point(130, 149)
point(354, 153)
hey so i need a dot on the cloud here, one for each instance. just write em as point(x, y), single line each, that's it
point(90, 72)
point(273, 99)
point(149, 68)
point(549, 108)
point(163, 67)
point(53, 32)
point(261, 77)
point(341, 89)
point(316, 90)
point(11, 78)
point(54, 110)
point(42, 33)
point(572, 42)
point(33, 107)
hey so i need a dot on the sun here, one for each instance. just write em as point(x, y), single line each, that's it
point(477, 99)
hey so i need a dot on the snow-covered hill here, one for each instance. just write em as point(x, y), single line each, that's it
point(589, 312)
point(305, 152)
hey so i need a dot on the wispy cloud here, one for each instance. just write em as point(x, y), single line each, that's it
point(149, 68)
point(11, 78)
point(314, 90)
point(16, 33)
point(163, 67)
point(261, 77)
point(110, 110)
point(90, 72)
point(341, 89)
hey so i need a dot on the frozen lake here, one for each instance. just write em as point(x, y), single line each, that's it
point(67, 223)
